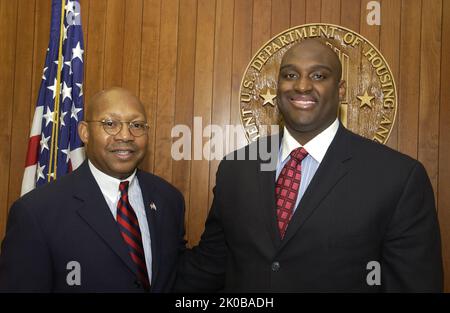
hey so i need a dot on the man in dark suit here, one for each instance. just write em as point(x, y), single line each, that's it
point(106, 227)
point(339, 213)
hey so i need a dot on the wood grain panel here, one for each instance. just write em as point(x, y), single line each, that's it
point(430, 70)
point(8, 26)
point(261, 23)
point(85, 17)
point(409, 89)
point(94, 70)
point(223, 52)
point(22, 101)
point(313, 8)
point(390, 47)
point(151, 17)
point(331, 11)
point(184, 106)
point(40, 44)
point(132, 45)
point(350, 14)
point(114, 43)
point(242, 43)
point(371, 32)
point(204, 67)
point(167, 73)
point(298, 12)
point(280, 16)
point(443, 202)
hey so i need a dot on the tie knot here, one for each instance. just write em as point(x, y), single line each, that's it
point(299, 154)
point(123, 187)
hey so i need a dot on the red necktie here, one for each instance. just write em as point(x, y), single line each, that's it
point(131, 233)
point(286, 189)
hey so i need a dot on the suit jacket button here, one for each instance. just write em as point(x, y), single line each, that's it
point(138, 284)
point(275, 266)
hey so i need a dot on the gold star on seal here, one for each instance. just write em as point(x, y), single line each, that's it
point(268, 97)
point(365, 100)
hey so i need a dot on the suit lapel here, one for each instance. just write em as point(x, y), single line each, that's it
point(95, 212)
point(267, 192)
point(334, 166)
point(153, 204)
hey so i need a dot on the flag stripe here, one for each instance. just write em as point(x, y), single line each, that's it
point(36, 127)
point(33, 150)
point(28, 182)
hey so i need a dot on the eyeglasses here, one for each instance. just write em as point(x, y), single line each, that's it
point(113, 127)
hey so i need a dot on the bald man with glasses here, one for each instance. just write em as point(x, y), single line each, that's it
point(106, 227)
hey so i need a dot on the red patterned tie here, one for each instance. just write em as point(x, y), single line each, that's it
point(131, 233)
point(286, 189)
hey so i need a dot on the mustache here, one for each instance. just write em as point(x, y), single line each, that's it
point(121, 146)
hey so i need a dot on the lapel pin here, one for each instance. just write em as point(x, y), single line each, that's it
point(152, 206)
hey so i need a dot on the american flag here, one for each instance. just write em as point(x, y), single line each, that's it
point(55, 148)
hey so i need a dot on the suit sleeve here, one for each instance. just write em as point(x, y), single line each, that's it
point(25, 263)
point(181, 242)
point(202, 268)
point(412, 260)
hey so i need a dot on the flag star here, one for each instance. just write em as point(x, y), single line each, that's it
point(44, 143)
point(40, 171)
point(75, 14)
point(66, 152)
point(77, 52)
point(72, 12)
point(81, 88)
point(51, 175)
point(70, 7)
point(63, 115)
point(65, 32)
point(53, 88)
point(48, 117)
point(69, 64)
point(75, 112)
point(43, 73)
point(67, 92)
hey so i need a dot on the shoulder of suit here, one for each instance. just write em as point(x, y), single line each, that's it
point(251, 151)
point(55, 189)
point(157, 181)
point(373, 150)
point(48, 198)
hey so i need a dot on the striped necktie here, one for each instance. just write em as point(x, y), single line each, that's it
point(131, 234)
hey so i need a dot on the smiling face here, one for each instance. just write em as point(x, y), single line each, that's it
point(119, 155)
point(309, 89)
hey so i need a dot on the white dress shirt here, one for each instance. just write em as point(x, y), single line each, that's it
point(316, 148)
point(110, 189)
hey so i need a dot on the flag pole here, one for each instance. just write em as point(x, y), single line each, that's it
point(55, 125)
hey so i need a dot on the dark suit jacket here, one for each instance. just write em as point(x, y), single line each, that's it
point(69, 220)
point(365, 203)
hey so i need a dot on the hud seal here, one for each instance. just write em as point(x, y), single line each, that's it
point(370, 103)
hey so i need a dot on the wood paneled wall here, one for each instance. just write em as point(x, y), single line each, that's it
point(185, 58)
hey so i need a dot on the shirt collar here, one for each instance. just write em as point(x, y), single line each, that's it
point(316, 147)
point(109, 185)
